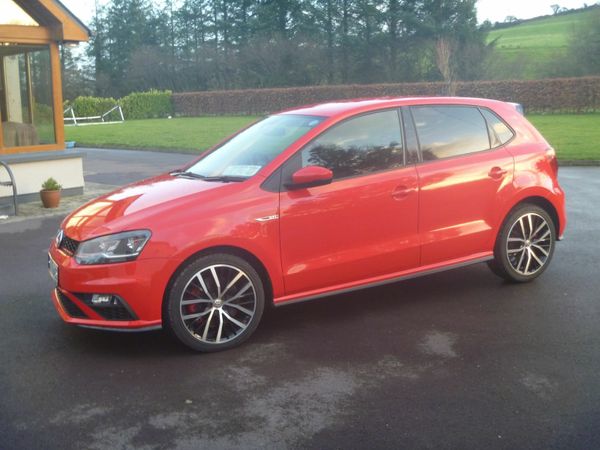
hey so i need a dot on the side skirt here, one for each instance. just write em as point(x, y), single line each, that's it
point(122, 330)
point(282, 301)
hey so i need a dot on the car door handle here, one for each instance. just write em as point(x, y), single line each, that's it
point(401, 192)
point(497, 172)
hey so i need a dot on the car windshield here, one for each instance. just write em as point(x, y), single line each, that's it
point(252, 149)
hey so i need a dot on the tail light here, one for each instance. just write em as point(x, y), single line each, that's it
point(552, 161)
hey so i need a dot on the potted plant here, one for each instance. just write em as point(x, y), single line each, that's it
point(50, 193)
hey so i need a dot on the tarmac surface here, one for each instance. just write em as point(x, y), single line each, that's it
point(459, 359)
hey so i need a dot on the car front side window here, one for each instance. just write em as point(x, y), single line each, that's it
point(358, 146)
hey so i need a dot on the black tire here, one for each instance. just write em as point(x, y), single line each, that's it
point(526, 256)
point(211, 287)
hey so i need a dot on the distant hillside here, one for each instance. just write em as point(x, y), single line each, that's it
point(526, 47)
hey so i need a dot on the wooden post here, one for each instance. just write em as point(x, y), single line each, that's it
point(30, 99)
point(59, 121)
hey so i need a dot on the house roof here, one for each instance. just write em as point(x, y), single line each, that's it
point(66, 27)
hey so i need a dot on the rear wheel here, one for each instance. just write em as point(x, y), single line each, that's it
point(525, 244)
point(215, 303)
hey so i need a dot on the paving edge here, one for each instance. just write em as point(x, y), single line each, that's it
point(579, 162)
point(35, 210)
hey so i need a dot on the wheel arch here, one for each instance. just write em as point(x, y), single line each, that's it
point(231, 250)
point(543, 203)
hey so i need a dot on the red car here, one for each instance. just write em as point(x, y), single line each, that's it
point(309, 203)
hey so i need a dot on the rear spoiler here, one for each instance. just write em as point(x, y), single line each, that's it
point(519, 107)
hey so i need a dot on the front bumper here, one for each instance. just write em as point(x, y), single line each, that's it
point(137, 285)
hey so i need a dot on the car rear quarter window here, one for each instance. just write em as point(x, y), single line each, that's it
point(360, 145)
point(445, 131)
point(500, 133)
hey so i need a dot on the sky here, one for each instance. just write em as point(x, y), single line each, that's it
point(492, 10)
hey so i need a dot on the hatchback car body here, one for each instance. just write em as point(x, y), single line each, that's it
point(308, 203)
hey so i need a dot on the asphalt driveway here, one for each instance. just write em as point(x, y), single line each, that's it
point(455, 360)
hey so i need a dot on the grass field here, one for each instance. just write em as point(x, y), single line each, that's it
point(575, 137)
point(528, 50)
point(185, 135)
point(540, 34)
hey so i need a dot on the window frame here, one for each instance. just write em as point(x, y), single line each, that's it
point(487, 127)
point(56, 95)
point(280, 171)
point(408, 126)
point(490, 129)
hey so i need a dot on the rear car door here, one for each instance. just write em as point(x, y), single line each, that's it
point(464, 175)
point(362, 225)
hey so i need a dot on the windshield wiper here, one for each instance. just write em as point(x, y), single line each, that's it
point(185, 173)
point(223, 178)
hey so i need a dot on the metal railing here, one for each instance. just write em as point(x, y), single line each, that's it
point(73, 118)
point(9, 184)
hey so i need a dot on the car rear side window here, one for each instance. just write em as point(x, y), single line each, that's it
point(500, 134)
point(358, 146)
point(446, 131)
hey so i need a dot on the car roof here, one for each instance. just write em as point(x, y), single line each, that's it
point(354, 106)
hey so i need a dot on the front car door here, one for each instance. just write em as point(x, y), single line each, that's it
point(361, 226)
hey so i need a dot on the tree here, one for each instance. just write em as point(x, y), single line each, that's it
point(77, 79)
point(585, 45)
point(224, 44)
point(444, 49)
point(119, 30)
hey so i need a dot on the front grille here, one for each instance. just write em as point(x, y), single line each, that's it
point(68, 245)
point(116, 311)
point(69, 306)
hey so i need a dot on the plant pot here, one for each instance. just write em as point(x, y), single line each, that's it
point(50, 199)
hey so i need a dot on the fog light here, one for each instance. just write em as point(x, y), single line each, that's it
point(104, 300)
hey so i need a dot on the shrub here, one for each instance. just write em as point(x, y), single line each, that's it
point(147, 105)
point(42, 113)
point(51, 185)
point(92, 106)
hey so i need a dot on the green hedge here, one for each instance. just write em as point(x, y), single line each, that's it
point(137, 105)
point(550, 95)
point(91, 106)
point(147, 105)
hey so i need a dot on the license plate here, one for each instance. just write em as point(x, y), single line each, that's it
point(53, 269)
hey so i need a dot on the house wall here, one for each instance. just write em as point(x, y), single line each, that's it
point(31, 170)
point(30, 161)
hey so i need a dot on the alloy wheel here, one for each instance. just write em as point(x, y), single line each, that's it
point(529, 244)
point(218, 304)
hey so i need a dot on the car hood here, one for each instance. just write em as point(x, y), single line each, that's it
point(134, 206)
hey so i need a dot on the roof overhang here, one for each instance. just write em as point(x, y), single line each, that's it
point(64, 26)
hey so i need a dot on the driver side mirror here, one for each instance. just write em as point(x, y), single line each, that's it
point(310, 176)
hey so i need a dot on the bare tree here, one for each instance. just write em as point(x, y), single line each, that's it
point(444, 52)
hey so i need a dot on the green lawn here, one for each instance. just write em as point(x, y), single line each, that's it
point(187, 135)
point(574, 136)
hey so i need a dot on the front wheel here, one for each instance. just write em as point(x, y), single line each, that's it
point(215, 303)
point(525, 244)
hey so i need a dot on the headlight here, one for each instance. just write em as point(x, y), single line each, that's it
point(113, 248)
